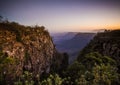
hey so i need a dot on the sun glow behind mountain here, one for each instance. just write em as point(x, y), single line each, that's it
point(64, 15)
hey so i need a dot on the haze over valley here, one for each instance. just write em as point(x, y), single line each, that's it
point(71, 42)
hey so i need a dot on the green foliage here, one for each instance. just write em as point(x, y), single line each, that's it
point(25, 79)
point(5, 66)
point(5, 60)
point(94, 69)
point(100, 75)
point(21, 30)
point(74, 71)
point(105, 74)
point(107, 44)
point(59, 63)
point(76, 68)
point(95, 58)
point(75, 74)
point(81, 80)
point(52, 80)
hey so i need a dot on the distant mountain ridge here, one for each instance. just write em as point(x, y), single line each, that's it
point(59, 37)
point(72, 42)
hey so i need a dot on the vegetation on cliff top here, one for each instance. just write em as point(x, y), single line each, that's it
point(106, 43)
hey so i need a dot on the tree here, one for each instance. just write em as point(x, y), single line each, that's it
point(74, 71)
point(81, 80)
point(52, 80)
point(93, 58)
point(105, 75)
point(1, 18)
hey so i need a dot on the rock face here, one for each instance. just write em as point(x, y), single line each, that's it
point(31, 48)
point(106, 43)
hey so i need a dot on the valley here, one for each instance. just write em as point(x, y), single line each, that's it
point(71, 42)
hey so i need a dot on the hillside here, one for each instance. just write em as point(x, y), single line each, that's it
point(106, 43)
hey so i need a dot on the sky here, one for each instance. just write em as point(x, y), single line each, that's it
point(64, 15)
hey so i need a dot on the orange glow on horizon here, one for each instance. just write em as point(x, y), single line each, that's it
point(113, 27)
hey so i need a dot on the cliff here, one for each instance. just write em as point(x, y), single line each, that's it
point(24, 48)
point(106, 43)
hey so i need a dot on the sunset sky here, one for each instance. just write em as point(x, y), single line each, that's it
point(64, 15)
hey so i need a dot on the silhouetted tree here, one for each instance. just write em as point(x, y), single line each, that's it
point(1, 18)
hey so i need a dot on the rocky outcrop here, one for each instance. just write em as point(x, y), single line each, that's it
point(30, 48)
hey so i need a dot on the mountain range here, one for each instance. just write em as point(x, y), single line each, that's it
point(71, 42)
